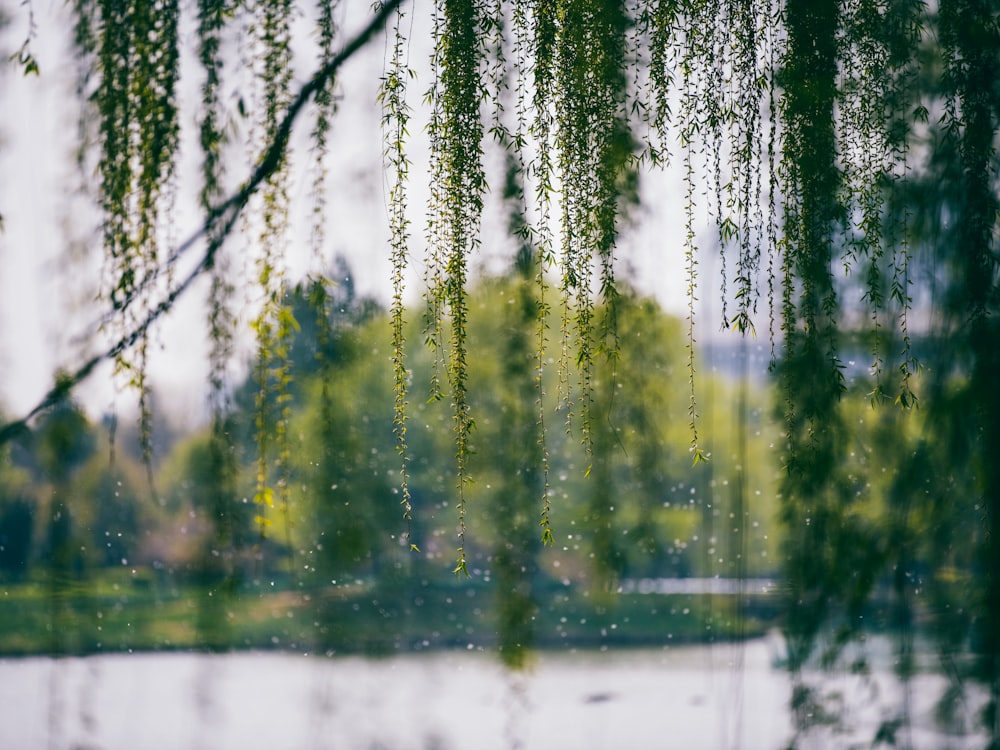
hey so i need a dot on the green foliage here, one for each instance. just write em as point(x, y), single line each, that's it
point(814, 507)
point(275, 323)
point(459, 182)
point(843, 158)
point(395, 119)
point(26, 60)
point(343, 523)
point(594, 149)
point(136, 55)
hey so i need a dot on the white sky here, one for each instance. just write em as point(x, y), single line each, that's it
point(47, 308)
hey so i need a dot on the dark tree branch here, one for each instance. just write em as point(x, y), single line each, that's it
point(216, 227)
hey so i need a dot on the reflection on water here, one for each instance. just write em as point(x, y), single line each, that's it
point(725, 696)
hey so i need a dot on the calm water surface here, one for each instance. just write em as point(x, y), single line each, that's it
point(690, 698)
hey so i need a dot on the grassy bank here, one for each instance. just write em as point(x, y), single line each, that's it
point(126, 612)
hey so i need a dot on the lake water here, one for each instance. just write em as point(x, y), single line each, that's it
point(690, 698)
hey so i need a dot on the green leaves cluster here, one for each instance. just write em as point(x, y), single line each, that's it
point(136, 58)
point(274, 322)
point(457, 188)
point(395, 119)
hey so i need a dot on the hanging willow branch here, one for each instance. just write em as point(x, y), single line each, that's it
point(274, 324)
point(595, 159)
point(216, 227)
point(810, 374)
point(457, 203)
point(221, 321)
point(539, 38)
point(137, 60)
point(395, 119)
point(211, 21)
point(691, 128)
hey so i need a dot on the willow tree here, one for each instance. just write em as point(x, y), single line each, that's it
point(842, 150)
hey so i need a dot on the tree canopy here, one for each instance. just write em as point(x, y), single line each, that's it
point(843, 152)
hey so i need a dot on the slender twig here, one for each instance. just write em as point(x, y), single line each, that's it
point(217, 226)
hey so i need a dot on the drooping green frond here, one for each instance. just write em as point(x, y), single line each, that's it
point(970, 35)
point(319, 298)
point(456, 204)
point(541, 170)
point(877, 100)
point(136, 48)
point(651, 59)
point(534, 29)
point(274, 324)
point(596, 167)
point(212, 16)
point(395, 123)
point(749, 144)
point(810, 373)
point(220, 570)
point(694, 131)
point(115, 108)
point(907, 114)
point(326, 109)
point(509, 79)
